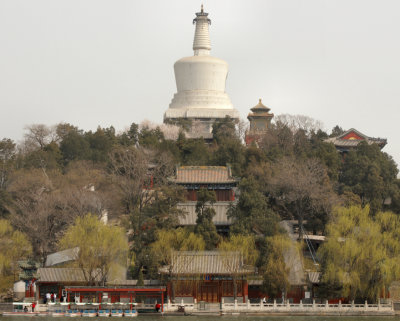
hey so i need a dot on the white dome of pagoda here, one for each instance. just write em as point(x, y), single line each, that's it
point(200, 80)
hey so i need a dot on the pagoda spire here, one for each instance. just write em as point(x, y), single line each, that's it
point(201, 42)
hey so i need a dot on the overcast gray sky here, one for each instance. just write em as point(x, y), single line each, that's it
point(110, 62)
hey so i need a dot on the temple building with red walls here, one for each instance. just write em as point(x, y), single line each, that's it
point(351, 138)
point(216, 178)
point(207, 276)
point(70, 285)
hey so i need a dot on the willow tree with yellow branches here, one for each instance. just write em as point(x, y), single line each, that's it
point(168, 242)
point(14, 246)
point(244, 247)
point(361, 256)
point(103, 249)
point(276, 269)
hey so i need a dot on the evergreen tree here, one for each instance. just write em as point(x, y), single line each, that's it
point(371, 174)
point(252, 214)
point(205, 213)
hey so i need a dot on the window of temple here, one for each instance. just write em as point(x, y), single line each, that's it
point(221, 195)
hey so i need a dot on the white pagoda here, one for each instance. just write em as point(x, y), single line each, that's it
point(200, 81)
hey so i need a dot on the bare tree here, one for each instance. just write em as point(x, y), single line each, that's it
point(7, 153)
point(131, 172)
point(39, 135)
point(299, 122)
point(242, 127)
point(137, 173)
point(44, 206)
point(301, 189)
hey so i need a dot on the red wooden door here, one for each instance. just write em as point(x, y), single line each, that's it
point(208, 292)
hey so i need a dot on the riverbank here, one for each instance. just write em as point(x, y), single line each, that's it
point(286, 309)
point(203, 309)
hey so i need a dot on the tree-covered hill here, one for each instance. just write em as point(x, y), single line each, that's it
point(62, 173)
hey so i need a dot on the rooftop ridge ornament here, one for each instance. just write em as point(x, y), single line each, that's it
point(201, 42)
point(200, 14)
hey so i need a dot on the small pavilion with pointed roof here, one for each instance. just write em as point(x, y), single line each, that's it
point(260, 120)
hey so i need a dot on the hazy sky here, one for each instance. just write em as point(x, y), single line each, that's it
point(110, 62)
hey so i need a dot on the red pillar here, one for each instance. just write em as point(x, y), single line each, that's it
point(245, 290)
point(162, 301)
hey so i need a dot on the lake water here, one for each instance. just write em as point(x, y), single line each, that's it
point(215, 318)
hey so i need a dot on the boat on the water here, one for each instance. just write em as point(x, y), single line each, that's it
point(57, 310)
point(104, 313)
point(65, 309)
point(23, 309)
point(89, 313)
point(117, 313)
point(73, 313)
point(57, 313)
point(130, 313)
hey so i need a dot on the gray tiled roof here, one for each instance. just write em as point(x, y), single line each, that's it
point(206, 262)
point(220, 218)
point(62, 257)
point(203, 175)
point(61, 275)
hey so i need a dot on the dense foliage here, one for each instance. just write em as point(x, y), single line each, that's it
point(361, 256)
point(100, 250)
point(59, 174)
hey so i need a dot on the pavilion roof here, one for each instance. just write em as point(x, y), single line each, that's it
point(206, 262)
point(203, 175)
point(352, 137)
point(260, 107)
point(61, 275)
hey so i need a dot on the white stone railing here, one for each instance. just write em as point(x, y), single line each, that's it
point(337, 308)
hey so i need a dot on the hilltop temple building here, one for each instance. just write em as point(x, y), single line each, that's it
point(350, 139)
point(260, 121)
point(218, 179)
point(200, 81)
